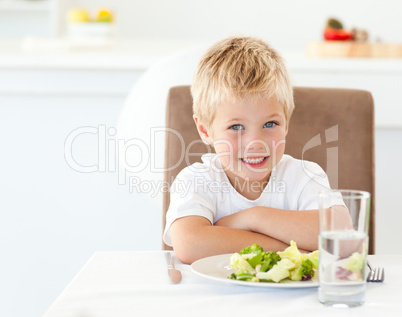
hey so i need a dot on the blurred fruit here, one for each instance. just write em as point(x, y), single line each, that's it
point(360, 35)
point(337, 35)
point(104, 15)
point(334, 24)
point(77, 15)
point(334, 31)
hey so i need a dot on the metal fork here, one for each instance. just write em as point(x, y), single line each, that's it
point(375, 275)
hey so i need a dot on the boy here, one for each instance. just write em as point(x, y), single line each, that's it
point(249, 191)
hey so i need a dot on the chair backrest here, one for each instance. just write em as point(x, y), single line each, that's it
point(329, 126)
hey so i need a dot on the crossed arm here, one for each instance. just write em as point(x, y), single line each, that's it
point(194, 237)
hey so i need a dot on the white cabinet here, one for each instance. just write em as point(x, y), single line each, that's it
point(24, 5)
point(19, 18)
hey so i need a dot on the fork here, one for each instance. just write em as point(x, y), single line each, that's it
point(375, 275)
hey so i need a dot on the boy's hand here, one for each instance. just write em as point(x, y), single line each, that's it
point(282, 225)
point(194, 237)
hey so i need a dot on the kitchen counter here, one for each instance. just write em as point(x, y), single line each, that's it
point(141, 54)
point(106, 67)
point(87, 54)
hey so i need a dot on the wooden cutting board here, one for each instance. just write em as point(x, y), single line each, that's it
point(353, 49)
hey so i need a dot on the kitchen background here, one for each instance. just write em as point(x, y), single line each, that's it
point(66, 96)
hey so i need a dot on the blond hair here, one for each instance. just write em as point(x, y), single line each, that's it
point(237, 67)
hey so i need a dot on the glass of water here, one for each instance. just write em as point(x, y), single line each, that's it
point(343, 245)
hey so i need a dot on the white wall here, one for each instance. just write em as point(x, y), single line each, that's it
point(286, 24)
point(17, 24)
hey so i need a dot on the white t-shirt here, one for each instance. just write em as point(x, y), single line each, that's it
point(203, 189)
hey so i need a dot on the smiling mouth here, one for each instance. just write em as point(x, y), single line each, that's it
point(254, 161)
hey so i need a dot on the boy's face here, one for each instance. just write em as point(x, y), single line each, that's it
point(248, 135)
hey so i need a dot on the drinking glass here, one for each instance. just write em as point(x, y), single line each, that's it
point(343, 245)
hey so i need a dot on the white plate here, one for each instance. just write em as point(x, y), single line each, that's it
point(217, 268)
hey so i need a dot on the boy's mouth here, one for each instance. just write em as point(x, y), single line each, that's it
point(255, 161)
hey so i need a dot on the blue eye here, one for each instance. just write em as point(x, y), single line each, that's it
point(270, 124)
point(237, 127)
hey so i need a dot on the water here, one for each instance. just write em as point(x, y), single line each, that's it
point(342, 268)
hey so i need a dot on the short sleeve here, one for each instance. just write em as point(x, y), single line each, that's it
point(188, 199)
point(317, 182)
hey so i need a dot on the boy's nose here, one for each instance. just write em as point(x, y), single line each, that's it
point(255, 139)
point(259, 145)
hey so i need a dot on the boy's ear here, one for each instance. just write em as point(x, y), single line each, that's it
point(203, 131)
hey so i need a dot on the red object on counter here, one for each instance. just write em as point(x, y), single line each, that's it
point(331, 34)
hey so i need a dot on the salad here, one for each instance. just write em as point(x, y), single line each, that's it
point(255, 265)
point(353, 269)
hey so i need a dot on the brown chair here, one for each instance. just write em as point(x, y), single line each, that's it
point(332, 127)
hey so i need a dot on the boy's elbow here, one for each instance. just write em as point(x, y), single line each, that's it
point(188, 249)
point(187, 238)
point(185, 255)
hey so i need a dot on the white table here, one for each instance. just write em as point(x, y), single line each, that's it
point(122, 284)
